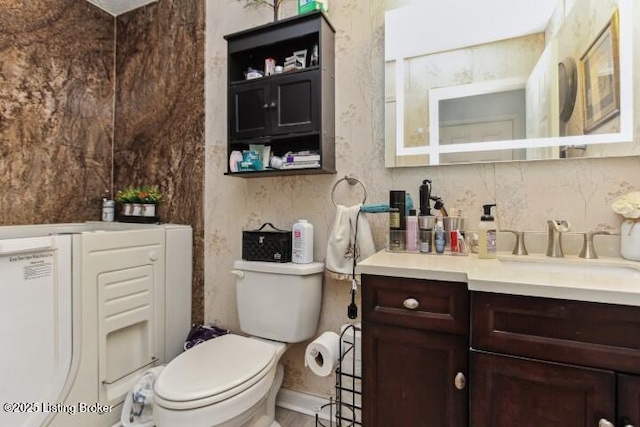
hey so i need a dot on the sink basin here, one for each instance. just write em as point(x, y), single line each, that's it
point(573, 269)
point(605, 280)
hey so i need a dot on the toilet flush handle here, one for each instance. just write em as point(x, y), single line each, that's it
point(238, 273)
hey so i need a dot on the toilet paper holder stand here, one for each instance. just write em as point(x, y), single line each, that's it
point(346, 409)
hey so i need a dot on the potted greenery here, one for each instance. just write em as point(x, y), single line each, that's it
point(139, 201)
point(128, 198)
point(149, 197)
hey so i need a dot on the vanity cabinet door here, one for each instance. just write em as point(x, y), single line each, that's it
point(415, 352)
point(629, 400)
point(413, 377)
point(511, 391)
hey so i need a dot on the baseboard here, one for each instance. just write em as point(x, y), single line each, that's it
point(303, 403)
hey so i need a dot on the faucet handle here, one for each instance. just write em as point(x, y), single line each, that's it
point(519, 248)
point(588, 249)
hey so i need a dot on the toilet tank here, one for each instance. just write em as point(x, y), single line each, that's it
point(279, 301)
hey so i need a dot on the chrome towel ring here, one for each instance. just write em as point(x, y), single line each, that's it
point(351, 181)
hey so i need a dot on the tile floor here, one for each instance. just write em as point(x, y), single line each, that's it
point(288, 418)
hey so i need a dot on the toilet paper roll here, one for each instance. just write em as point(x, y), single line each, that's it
point(323, 354)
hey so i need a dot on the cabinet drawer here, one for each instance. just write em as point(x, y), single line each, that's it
point(441, 306)
point(581, 333)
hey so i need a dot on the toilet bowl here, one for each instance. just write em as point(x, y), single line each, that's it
point(232, 380)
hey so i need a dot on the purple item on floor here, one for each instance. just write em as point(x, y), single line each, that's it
point(202, 333)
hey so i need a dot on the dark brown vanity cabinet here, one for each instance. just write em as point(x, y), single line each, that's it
point(415, 344)
point(288, 111)
point(553, 363)
point(529, 361)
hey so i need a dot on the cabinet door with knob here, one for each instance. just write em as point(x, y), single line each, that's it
point(552, 362)
point(629, 400)
point(512, 391)
point(293, 102)
point(249, 103)
point(415, 353)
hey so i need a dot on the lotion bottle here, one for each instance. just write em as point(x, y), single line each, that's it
point(302, 242)
point(487, 244)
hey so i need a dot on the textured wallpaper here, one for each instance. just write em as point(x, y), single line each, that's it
point(159, 120)
point(527, 194)
point(56, 110)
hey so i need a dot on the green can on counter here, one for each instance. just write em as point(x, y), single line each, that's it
point(305, 6)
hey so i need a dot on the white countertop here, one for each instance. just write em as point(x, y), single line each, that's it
point(607, 279)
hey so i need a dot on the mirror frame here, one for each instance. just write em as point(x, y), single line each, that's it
point(435, 95)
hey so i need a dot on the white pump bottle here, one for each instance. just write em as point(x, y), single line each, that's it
point(487, 233)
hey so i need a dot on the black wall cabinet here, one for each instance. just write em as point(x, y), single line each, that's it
point(290, 111)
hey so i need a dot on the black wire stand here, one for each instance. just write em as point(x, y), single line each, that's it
point(346, 409)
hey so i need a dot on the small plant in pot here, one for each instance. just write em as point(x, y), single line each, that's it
point(129, 200)
point(139, 201)
point(150, 197)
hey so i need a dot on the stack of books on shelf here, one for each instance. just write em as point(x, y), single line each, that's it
point(301, 160)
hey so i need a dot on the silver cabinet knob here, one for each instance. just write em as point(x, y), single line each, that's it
point(605, 423)
point(273, 104)
point(460, 381)
point(265, 106)
point(411, 303)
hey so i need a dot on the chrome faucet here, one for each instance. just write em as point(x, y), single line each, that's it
point(554, 244)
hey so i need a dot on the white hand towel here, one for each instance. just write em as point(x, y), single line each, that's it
point(340, 248)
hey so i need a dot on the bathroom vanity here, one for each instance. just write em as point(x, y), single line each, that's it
point(529, 341)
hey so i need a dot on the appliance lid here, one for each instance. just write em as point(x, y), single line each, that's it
point(213, 367)
point(280, 267)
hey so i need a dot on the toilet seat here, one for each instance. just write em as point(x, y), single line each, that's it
point(214, 371)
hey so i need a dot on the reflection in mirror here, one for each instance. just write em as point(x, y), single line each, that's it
point(553, 80)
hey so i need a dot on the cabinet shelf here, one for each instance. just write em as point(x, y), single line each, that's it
point(288, 73)
point(278, 172)
point(290, 111)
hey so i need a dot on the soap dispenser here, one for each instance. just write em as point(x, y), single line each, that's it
point(487, 244)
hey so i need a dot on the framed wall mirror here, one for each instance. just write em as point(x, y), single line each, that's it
point(498, 80)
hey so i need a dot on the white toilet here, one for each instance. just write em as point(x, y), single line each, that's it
point(232, 381)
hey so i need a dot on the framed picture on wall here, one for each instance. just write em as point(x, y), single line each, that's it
point(601, 77)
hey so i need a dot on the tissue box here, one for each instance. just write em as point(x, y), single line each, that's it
point(305, 6)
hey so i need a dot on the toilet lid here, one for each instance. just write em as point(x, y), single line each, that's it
point(213, 367)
